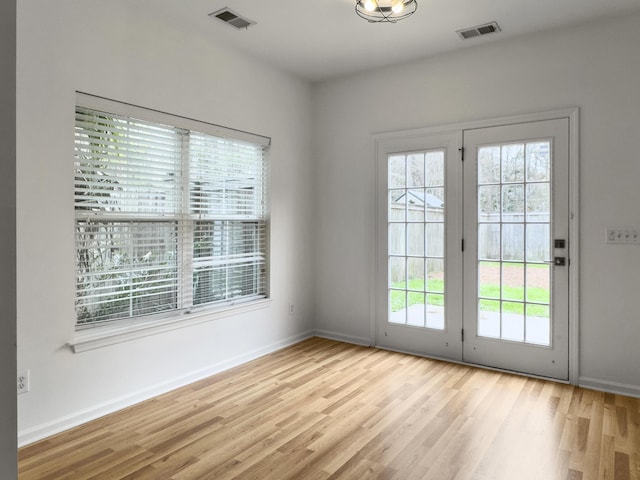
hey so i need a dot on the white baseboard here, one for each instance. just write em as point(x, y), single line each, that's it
point(609, 387)
point(61, 424)
point(44, 430)
point(363, 341)
point(586, 382)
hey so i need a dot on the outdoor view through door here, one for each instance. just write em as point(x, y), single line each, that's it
point(416, 239)
point(514, 278)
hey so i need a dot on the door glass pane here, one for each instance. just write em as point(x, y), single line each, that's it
point(435, 240)
point(513, 163)
point(538, 202)
point(416, 239)
point(489, 165)
point(538, 162)
point(538, 283)
point(514, 229)
point(489, 202)
point(489, 275)
point(397, 272)
point(513, 321)
point(415, 270)
point(435, 289)
point(397, 291)
point(434, 201)
point(538, 326)
point(415, 170)
point(513, 281)
point(513, 242)
point(434, 169)
point(538, 242)
point(398, 306)
point(489, 318)
point(435, 275)
point(415, 312)
point(397, 171)
point(435, 311)
point(512, 203)
point(415, 205)
point(397, 241)
point(489, 241)
point(397, 206)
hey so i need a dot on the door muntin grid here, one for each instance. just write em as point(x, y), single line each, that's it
point(514, 242)
point(416, 229)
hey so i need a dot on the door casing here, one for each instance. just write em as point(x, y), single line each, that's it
point(572, 114)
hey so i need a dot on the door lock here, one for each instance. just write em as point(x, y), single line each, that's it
point(559, 261)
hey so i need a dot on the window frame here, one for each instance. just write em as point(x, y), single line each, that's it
point(101, 333)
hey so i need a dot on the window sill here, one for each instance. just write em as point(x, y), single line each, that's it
point(102, 336)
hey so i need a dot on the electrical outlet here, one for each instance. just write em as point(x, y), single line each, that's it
point(291, 309)
point(23, 382)
point(623, 236)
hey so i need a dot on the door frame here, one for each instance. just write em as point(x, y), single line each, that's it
point(573, 252)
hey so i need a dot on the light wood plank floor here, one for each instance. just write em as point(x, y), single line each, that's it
point(324, 410)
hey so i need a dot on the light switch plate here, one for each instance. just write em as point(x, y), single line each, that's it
point(623, 236)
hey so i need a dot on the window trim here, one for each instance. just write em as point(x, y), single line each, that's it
point(128, 329)
point(99, 335)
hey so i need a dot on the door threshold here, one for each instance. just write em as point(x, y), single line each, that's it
point(475, 365)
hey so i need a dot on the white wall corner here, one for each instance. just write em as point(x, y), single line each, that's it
point(363, 341)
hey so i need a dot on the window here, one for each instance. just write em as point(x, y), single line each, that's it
point(170, 214)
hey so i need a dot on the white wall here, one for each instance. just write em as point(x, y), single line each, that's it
point(117, 51)
point(8, 457)
point(594, 67)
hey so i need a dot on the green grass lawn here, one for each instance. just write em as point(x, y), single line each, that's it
point(511, 297)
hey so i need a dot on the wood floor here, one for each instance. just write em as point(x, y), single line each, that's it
point(325, 410)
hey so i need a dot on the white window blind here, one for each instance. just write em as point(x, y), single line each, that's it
point(167, 218)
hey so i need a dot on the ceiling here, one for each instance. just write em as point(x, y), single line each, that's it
point(322, 39)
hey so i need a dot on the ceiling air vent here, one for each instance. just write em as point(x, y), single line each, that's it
point(479, 30)
point(230, 17)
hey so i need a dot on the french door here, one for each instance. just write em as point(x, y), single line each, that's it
point(419, 184)
point(472, 255)
point(516, 280)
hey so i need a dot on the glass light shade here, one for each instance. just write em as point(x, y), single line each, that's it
point(375, 11)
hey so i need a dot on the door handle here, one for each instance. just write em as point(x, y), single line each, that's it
point(558, 261)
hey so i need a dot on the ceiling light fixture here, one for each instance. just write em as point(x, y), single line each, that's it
point(391, 11)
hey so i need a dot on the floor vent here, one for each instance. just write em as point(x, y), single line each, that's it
point(479, 30)
point(230, 17)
